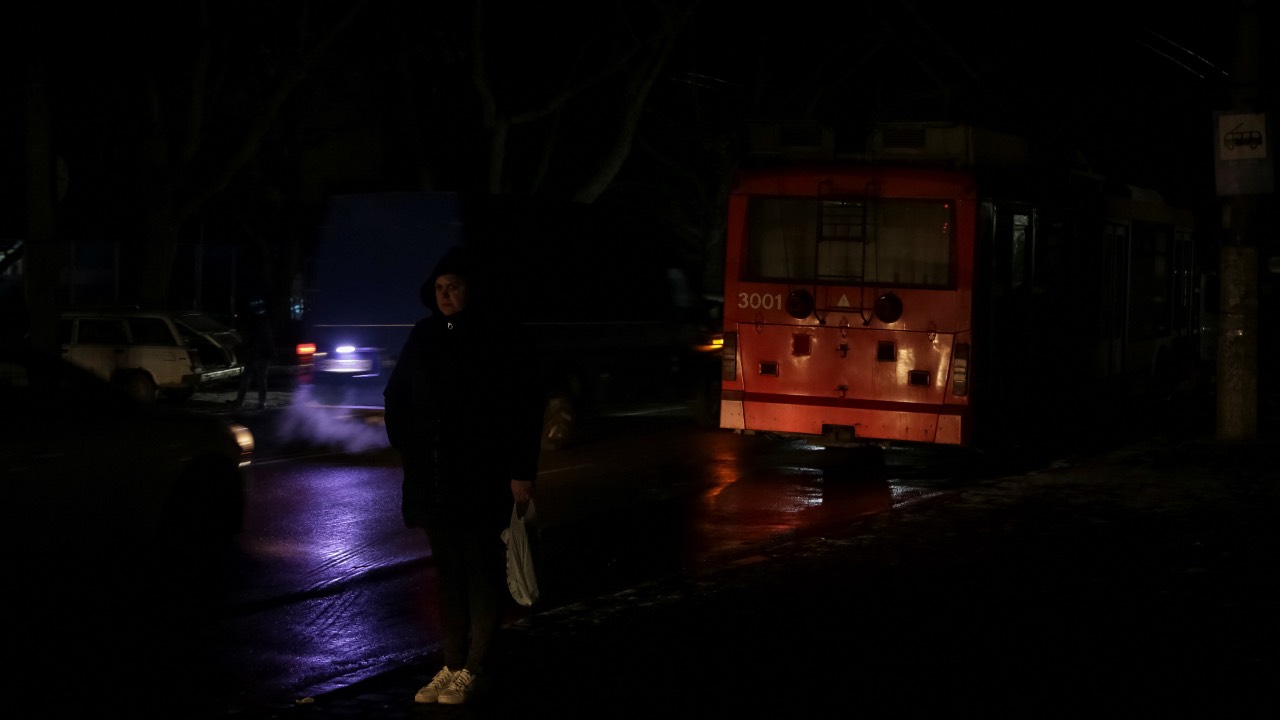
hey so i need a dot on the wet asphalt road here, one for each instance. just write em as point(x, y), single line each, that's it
point(1132, 577)
point(1139, 582)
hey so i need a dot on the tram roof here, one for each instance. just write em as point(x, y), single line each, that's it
point(927, 144)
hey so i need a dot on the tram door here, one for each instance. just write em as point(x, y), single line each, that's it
point(1114, 287)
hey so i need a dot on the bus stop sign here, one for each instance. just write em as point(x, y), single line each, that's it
point(1242, 155)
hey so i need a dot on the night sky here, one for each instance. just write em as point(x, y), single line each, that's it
point(157, 105)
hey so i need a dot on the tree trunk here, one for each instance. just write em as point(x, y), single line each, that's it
point(159, 248)
point(40, 275)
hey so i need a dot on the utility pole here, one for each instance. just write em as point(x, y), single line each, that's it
point(1243, 171)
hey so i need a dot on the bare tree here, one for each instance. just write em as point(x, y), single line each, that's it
point(558, 98)
point(167, 106)
point(192, 171)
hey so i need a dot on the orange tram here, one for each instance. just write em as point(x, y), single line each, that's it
point(935, 290)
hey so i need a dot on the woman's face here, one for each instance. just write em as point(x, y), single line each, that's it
point(451, 293)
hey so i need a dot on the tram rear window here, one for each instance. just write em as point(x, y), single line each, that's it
point(850, 241)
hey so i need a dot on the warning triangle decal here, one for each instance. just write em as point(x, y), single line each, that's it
point(844, 301)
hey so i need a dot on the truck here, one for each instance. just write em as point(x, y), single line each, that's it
point(619, 327)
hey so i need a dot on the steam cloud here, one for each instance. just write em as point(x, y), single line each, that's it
point(349, 431)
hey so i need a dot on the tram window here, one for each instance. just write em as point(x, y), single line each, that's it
point(1051, 256)
point(1112, 277)
point(911, 243)
point(1152, 282)
point(1019, 250)
point(781, 236)
point(850, 241)
point(1184, 279)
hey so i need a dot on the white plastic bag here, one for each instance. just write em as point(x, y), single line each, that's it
point(522, 579)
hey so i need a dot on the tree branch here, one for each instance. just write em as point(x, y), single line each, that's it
point(252, 142)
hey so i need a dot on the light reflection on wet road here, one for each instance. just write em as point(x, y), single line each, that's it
point(326, 586)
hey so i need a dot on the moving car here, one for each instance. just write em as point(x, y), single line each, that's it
point(149, 352)
point(77, 453)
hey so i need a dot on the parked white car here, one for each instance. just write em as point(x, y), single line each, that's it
point(148, 352)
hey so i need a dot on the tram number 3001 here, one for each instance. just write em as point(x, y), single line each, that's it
point(758, 301)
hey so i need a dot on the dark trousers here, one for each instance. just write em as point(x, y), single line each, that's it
point(255, 374)
point(470, 561)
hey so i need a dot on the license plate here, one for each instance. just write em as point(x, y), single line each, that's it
point(346, 365)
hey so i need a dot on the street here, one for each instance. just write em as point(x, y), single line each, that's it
point(325, 587)
point(745, 549)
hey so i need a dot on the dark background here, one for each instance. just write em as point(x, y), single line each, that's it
point(190, 148)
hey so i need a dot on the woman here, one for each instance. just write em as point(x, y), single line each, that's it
point(464, 410)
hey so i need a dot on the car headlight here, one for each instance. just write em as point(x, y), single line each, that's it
point(711, 343)
point(244, 439)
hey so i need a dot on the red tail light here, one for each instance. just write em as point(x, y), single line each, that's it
point(305, 350)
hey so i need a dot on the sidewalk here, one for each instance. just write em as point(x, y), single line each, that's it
point(1139, 582)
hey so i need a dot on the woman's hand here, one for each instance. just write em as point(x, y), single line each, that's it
point(522, 491)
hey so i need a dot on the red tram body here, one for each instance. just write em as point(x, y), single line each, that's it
point(926, 293)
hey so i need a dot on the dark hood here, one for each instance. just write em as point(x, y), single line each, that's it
point(457, 261)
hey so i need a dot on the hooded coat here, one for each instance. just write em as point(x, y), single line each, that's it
point(464, 406)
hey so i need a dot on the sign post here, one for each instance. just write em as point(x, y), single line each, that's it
point(1242, 170)
point(1242, 154)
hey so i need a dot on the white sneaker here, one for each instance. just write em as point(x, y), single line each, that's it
point(431, 691)
point(461, 687)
